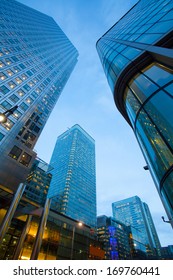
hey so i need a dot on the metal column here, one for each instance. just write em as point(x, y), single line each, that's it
point(10, 213)
point(40, 231)
point(22, 238)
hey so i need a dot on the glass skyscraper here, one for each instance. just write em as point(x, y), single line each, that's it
point(36, 60)
point(132, 211)
point(137, 57)
point(73, 185)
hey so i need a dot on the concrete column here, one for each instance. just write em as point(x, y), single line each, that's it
point(10, 213)
point(22, 238)
point(40, 231)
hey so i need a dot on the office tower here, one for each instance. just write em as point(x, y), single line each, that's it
point(73, 184)
point(136, 54)
point(38, 181)
point(115, 238)
point(132, 211)
point(36, 60)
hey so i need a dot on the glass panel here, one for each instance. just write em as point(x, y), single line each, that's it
point(25, 159)
point(160, 75)
point(142, 87)
point(167, 193)
point(132, 105)
point(15, 152)
point(160, 109)
point(158, 153)
point(169, 89)
point(1, 136)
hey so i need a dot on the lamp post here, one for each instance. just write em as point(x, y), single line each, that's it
point(6, 114)
point(72, 241)
point(169, 221)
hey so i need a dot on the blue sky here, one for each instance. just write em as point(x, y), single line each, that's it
point(88, 101)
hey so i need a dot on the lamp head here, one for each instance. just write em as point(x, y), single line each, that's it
point(3, 118)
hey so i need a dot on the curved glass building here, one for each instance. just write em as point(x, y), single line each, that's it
point(137, 57)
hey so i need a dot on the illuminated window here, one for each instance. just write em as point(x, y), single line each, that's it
point(8, 61)
point(12, 84)
point(17, 114)
point(29, 100)
point(25, 159)
point(15, 152)
point(16, 69)
point(10, 72)
point(18, 80)
point(24, 77)
point(2, 76)
point(1, 64)
point(20, 92)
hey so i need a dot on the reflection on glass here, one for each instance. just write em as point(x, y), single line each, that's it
point(160, 156)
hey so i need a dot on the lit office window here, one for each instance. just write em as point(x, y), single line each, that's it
point(15, 152)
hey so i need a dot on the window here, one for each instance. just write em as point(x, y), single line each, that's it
point(18, 80)
point(23, 106)
point(2, 76)
point(15, 152)
point(25, 159)
point(1, 136)
point(29, 100)
point(26, 87)
point(17, 114)
point(1, 64)
point(10, 72)
point(29, 73)
point(8, 61)
point(12, 84)
point(6, 105)
point(31, 84)
point(14, 98)
point(14, 58)
point(4, 90)
point(22, 66)
point(24, 77)
point(20, 92)
point(16, 69)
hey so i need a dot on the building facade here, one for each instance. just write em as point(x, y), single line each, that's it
point(73, 186)
point(137, 57)
point(62, 239)
point(36, 60)
point(132, 211)
point(115, 238)
point(38, 182)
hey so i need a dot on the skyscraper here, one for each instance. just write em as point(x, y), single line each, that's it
point(73, 185)
point(132, 211)
point(36, 60)
point(38, 181)
point(137, 57)
point(115, 238)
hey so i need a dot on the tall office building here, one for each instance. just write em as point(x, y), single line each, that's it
point(36, 60)
point(73, 185)
point(137, 57)
point(132, 211)
point(115, 238)
point(38, 182)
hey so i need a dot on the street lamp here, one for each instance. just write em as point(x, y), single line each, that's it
point(80, 224)
point(169, 221)
point(6, 114)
